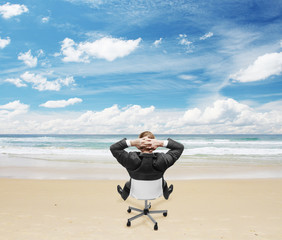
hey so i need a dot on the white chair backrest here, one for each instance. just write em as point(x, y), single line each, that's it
point(146, 189)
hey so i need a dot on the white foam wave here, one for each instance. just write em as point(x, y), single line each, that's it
point(53, 151)
point(106, 152)
point(229, 143)
point(231, 151)
point(74, 140)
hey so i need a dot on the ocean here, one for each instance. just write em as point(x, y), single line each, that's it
point(88, 156)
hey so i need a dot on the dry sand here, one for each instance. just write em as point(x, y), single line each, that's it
point(92, 209)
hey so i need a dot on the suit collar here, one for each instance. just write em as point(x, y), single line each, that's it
point(147, 155)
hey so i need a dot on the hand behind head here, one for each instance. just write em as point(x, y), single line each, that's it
point(146, 145)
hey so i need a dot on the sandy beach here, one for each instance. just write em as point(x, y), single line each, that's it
point(92, 209)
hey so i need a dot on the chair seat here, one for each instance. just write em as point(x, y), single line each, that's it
point(146, 189)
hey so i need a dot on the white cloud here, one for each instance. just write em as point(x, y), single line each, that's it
point(16, 81)
point(40, 52)
point(12, 109)
point(222, 111)
point(61, 103)
point(71, 51)
point(187, 77)
point(263, 67)
point(28, 59)
point(270, 106)
point(45, 19)
point(114, 119)
point(105, 48)
point(184, 40)
point(10, 10)
point(222, 116)
point(207, 35)
point(111, 117)
point(158, 42)
point(4, 42)
point(40, 82)
point(228, 116)
point(68, 81)
point(92, 3)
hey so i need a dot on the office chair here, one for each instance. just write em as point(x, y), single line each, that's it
point(146, 190)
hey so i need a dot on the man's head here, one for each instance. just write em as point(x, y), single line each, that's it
point(147, 134)
point(144, 135)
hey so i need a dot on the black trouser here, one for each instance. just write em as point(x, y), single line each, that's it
point(126, 190)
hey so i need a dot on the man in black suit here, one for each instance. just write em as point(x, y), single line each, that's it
point(146, 165)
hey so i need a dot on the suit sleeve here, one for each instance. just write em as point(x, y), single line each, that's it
point(164, 161)
point(126, 159)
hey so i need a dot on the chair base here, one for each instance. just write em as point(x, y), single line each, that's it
point(146, 211)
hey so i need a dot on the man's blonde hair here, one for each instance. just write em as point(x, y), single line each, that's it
point(147, 134)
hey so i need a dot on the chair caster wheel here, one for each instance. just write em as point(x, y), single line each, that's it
point(128, 223)
point(156, 227)
point(129, 210)
point(165, 214)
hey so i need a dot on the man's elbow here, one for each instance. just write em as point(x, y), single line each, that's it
point(181, 147)
point(112, 148)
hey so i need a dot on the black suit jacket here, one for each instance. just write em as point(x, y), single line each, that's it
point(146, 166)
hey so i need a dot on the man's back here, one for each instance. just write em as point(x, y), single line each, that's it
point(146, 165)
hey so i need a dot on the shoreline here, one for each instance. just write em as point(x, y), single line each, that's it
point(87, 209)
point(110, 171)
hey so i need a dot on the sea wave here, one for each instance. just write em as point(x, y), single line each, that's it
point(106, 152)
point(52, 151)
point(232, 151)
point(228, 142)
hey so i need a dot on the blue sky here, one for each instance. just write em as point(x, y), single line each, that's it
point(102, 66)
